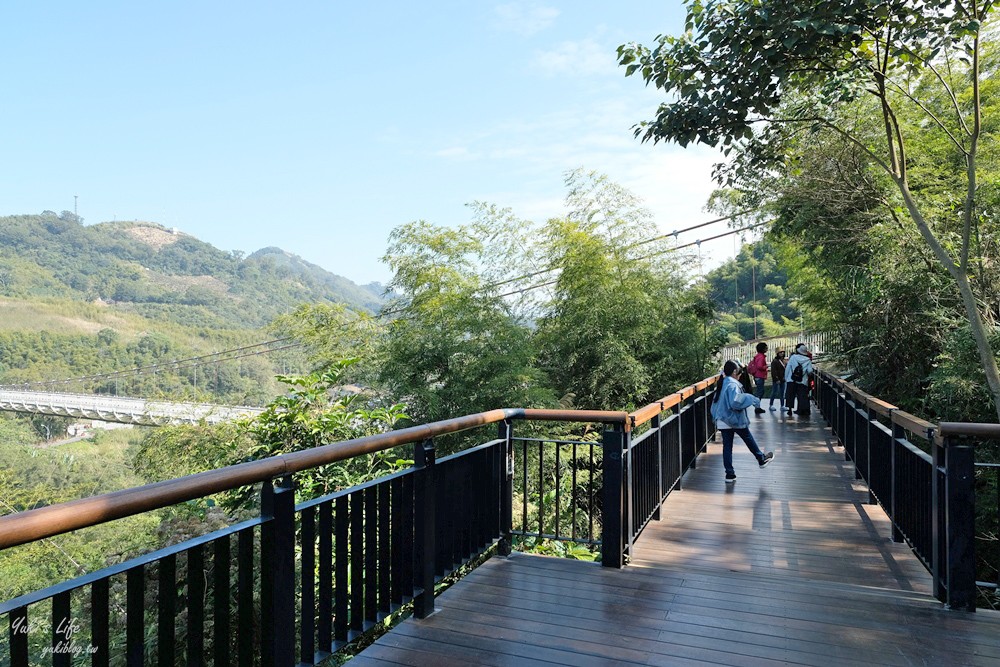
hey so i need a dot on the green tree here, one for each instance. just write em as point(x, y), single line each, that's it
point(617, 328)
point(788, 67)
point(456, 345)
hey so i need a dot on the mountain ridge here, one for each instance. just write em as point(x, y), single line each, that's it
point(144, 266)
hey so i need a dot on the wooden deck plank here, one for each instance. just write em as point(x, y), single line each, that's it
point(789, 565)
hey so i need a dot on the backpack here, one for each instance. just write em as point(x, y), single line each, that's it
point(797, 373)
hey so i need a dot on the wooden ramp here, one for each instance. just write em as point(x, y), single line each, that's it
point(789, 565)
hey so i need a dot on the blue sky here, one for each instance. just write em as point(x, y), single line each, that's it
point(319, 126)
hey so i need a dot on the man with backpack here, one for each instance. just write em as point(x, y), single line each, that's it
point(797, 374)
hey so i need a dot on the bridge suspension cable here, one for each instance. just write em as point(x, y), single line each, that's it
point(649, 256)
point(636, 245)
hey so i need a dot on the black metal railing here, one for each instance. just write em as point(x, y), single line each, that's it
point(297, 583)
point(655, 461)
point(921, 474)
point(345, 560)
point(558, 484)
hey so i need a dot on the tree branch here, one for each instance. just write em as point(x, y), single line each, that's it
point(927, 111)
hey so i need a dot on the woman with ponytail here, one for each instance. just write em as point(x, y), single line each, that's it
point(729, 411)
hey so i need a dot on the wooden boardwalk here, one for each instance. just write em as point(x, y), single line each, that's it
point(789, 565)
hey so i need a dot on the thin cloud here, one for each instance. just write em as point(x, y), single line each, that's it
point(523, 18)
point(456, 153)
point(580, 58)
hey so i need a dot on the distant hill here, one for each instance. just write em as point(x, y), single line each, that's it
point(81, 300)
point(159, 272)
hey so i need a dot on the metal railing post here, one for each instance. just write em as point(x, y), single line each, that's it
point(897, 432)
point(506, 433)
point(872, 418)
point(277, 587)
point(655, 425)
point(424, 527)
point(937, 521)
point(960, 513)
point(628, 521)
point(613, 443)
point(680, 445)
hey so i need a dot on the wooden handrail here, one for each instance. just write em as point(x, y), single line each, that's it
point(911, 423)
point(989, 431)
point(644, 414)
point(43, 522)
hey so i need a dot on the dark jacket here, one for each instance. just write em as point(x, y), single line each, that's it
point(777, 370)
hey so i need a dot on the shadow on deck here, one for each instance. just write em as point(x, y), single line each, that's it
point(788, 565)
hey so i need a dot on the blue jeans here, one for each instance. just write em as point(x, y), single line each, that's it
point(758, 387)
point(778, 391)
point(727, 446)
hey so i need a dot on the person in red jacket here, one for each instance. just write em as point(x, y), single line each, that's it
point(758, 369)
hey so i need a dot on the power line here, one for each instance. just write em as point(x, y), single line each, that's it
point(650, 256)
point(223, 356)
point(174, 364)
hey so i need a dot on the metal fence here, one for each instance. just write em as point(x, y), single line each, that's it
point(297, 583)
point(922, 475)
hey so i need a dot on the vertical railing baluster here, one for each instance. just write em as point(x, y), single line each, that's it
point(524, 488)
point(341, 562)
point(399, 541)
point(371, 556)
point(591, 495)
point(135, 623)
point(221, 636)
point(167, 610)
point(558, 488)
point(384, 554)
point(307, 613)
point(407, 544)
point(894, 484)
point(100, 617)
point(357, 614)
point(325, 624)
point(244, 598)
point(424, 527)
point(196, 606)
point(541, 490)
point(18, 634)
point(62, 629)
point(576, 491)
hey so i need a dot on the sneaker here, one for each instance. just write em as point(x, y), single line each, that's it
point(772, 409)
point(767, 459)
point(730, 477)
point(759, 411)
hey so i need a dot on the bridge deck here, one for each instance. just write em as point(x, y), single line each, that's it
point(787, 565)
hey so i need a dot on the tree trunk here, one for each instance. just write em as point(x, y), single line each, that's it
point(961, 277)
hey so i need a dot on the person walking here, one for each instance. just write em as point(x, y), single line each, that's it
point(778, 380)
point(797, 374)
point(758, 371)
point(729, 412)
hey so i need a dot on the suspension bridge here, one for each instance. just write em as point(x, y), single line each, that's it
point(139, 411)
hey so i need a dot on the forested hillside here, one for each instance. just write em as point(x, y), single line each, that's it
point(81, 300)
point(162, 273)
point(751, 294)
